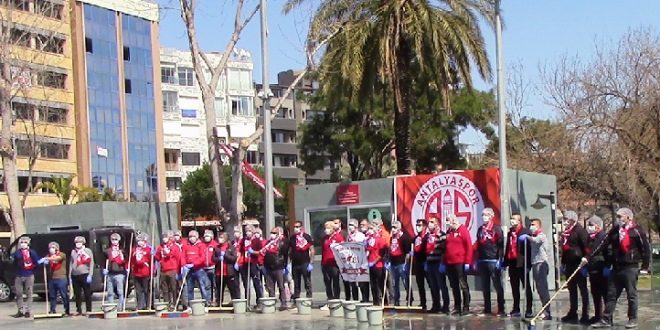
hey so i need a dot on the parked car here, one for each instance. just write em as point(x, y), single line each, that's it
point(98, 240)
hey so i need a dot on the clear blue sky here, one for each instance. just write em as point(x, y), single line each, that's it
point(536, 33)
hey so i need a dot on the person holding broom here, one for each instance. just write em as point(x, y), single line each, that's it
point(399, 249)
point(116, 272)
point(225, 257)
point(82, 270)
point(26, 261)
point(489, 247)
point(377, 256)
point(141, 269)
point(58, 281)
point(168, 254)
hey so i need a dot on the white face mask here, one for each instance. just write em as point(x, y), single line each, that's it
point(177, 238)
point(455, 225)
point(485, 218)
point(297, 230)
point(395, 231)
point(273, 236)
point(207, 239)
point(248, 234)
point(221, 240)
point(79, 245)
point(328, 231)
point(364, 229)
point(337, 226)
point(192, 239)
point(419, 228)
point(166, 240)
point(432, 226)
point(620, 221)
point(238, 235)
point(351, 228)
point(591, 229)
point(142, 243)
point(52, 250)
point(24, 245)
point(514, 222)
point(533, 228)
point(370, 232)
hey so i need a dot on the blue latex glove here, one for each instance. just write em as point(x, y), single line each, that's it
point(188, 267)
point(476, 267)
point(405, 268)
point(466, 268)
point(523, 237)
point(607, 271)
point(310, 267)
point(105, 272)
point(500, 265)
point(371, 264)
point(153, 252)
point(222, 253)
point(442, 268)
point(236, 267)
point(388, 265)
point(89, 279)
point(250, 251)
point(412, 253)
point(563, 269)
point(178, 277)
point(426, 267)
point(365, 242)
point(222, 257)
point(43, 261)
point(287, 270)
point(584, 272)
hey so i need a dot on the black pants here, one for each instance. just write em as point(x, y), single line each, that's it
point(459, 285)
point(625, 278)
point(231, 282)
point(79, 283)
point(142, 292)
point(438, 285)
point(351, 291)
point(419, 278)
point(331, 281)
point(518, 277)
point(377, 282)
point(255, 277)
point(578, 282)
point(488, 273)
point(168, 287)
point(300, 271)
point(272, 277)
point(598, 292)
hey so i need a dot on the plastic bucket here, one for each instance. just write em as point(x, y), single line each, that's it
point(198, 308)
point(334, 306)
point(304, 306)
point(267, 305)
point(240, 306)
point(160, 307)
point(375, 315)
point(361, 311)
point(349, 309)
point(109, 311)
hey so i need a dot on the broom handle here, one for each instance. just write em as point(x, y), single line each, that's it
point(151, 265)
point(384, 289)
point(128, 272)
point(577, 270)
point(183, 283)
point(412, 246)
point(105, 283)
point(222, 291)
point(46, 284)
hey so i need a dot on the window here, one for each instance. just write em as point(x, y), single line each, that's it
point(127, 54)
point(53, 115)
point(48, 9)
point(50, 44)
point(186, 77)
point(190, 158)
point(170, 101)
point(251, 157)
point(24, 148)
point(19, 37)
point(220, 107)
point(242, 106)
point(173, 183)
point(240, 80)
point(51, 79)
point(54, 150)
point(127, 86)
point(167, 75)
point(23, 5)
point(23, 111)
point(89, 45)
point(284, 160)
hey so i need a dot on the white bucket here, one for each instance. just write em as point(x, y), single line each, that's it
point(160, 307)
point(304, 306)
point(349, 309)
point(375, 315)
point(109, 311)
point(334, 306)
point(267, 305)
point(240, 306)
point(361, 311)
point(198, 308)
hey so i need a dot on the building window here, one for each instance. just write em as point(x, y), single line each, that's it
point(190, 159)
point(170, 101)
point(89, 45)
point(53, 115)
point(240, 80)
point(19, 37)
point(24, 148)
point(167, 75)
point(284, 160)
point(51, 79)
point(186, 77)
point(173, 183)
point(48, 9)
point(50, 44)
point(251, 157)
point(55, 150)
point(127, 54)
point(23, 111)
point(23, 5)
point(128, 88)
point(242, 106)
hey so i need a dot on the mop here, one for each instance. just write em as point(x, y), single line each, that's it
point(99, 315)
point(150, 310)
point(47, 315)
point(177, 314)
point(221, 309)
point(408, 308)
point(123, 312)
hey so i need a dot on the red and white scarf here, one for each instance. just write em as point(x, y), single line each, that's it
point(301, 243)
point(28, 263)
point(513, 243)
point(564, 237)
point(487, 233)
point(273, 245)
point(624, 237)
point(395, 246)
point(55, 265)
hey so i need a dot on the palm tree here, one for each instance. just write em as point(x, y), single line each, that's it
point(61, 186)
point(382, 41)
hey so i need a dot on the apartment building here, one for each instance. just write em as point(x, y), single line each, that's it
point(285, 129)
point(184, 119)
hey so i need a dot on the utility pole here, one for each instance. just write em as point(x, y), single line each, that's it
point(269, 208)
point(504, 181)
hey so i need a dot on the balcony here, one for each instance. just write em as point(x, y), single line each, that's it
point(174, 167)
point(282, 148)
point(281, 123)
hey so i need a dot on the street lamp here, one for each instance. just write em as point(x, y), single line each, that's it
point(269, 207)
point(539, 205)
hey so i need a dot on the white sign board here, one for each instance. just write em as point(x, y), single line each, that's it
point(352, 261)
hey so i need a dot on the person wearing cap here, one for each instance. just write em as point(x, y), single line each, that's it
point(630, 246)
point(275, 254)
point(116, 271)
point(518, 257)
point(435, 268)
point(419, 259)
point(329, 266)
point(540, 269)
point(301, 250)
point(574, 246)
point(193, 268)
point(179, 240)
point(249, 245)
point(490, 251)
point(81, 270)
point(458, 258)
point(225, 257)
point(377, 256)
point(209, 264)
point(168, 255)
point(57, 278)
point(141, 271)
point(399, 249)
point(26, 261)
point(599, 269)
point(355, 235)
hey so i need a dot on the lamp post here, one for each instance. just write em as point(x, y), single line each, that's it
point(553, 218)
point(504, 182)
point(269, 208)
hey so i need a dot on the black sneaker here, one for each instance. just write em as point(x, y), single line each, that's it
point(18, 314)
point(514, 314)
point(444, 310)
point(529, 315)
point(27, 315)
point(594, 320)
point(585, 319)
point(632, 323)
point(502, 314)
point(283, 308)
point(456, 312)
point(570, 318)
point(602, 324)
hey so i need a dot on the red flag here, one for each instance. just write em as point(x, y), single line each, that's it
point(250, 172)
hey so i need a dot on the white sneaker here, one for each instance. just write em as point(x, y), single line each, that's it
point(325, 308)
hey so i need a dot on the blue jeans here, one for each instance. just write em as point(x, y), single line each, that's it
point(200, 277)
point(116, 284)
point(398, 272)
point(60, 286)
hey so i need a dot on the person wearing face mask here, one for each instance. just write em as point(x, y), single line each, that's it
point(458, 258)
point(599, 266)
point(301, 250)
point(435, 268)
point(539, 248)
point(399, 249)
point(328, 263)
point(168, 256)
point(490, 251)
point(258, 235)
point(141, 271)
point(337, 224)
point(514, 258)
point(356, 235)
point(275, 254)
point(193, 261)
point(250, 244)
point(57, 278)
point(574, 244)
point(116, 271)
point(26, 261)
point(630, 246)
point(81, 269)
point(225, 257)
point(209, 264)
point(419, 259)
point(377, 256)
point(179, 240)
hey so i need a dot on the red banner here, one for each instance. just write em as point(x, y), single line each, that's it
point(347, 194)
point(250, 172)
point(463, 193)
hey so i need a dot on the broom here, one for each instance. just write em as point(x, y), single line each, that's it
point(177, 314)
point(409, 308)
point(128, 272)
point(47, 315)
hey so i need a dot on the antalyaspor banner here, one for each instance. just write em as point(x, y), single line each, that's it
point(249, 171)
point(463, 193)
point(352, 261)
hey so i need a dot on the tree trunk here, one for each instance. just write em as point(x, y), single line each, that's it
point(401, 82)
point(215, 161)
point(237, 186)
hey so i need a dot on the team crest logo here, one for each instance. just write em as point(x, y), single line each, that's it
point(449, 193)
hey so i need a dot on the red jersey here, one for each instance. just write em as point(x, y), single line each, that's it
point(141, 262)
point(431, 241)
point(459, 247)
point(169, 257)
point(194, 254)
point(327, 257)
point(208, 254)
point(395, 247)
point(419, 242)
point(240, 259)
point(376, 246)
point(222, 248)
point(262, 254)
